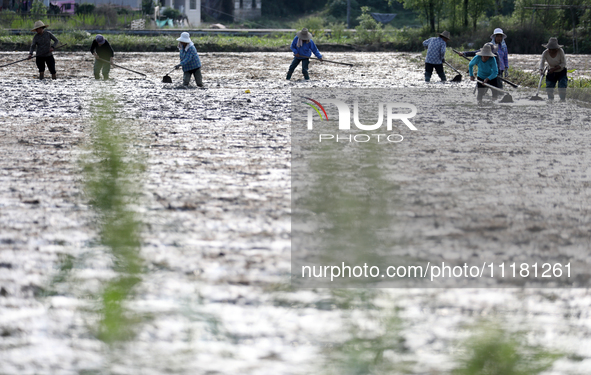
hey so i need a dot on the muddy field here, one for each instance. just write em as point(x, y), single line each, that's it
point(215, 203)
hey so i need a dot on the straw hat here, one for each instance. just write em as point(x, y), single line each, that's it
point(486, 50)
point(552, 44)
point(304, 34)
point(185, 38)
point(445, 34)
point(39, 25)
point(498, 31)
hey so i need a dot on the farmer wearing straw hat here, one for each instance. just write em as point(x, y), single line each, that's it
point(302, 46)
point(190, 61)
point(554, 56)
point(101, 49)
point(487, 70)
point(436, 55)
point(42, 41)
point(499, 47)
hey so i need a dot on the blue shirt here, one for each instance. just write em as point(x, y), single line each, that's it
point(435, 50)
point(503, 53)
point(486, 69)
point(190, 58)
point(306, 49)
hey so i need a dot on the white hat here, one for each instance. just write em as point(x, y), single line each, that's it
point(552, 44)
point(486, 50)
point(498, 31)
point(184, 38)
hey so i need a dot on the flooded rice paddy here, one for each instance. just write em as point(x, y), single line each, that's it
point(212, 193)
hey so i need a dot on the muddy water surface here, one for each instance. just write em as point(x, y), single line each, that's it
point(216, 210)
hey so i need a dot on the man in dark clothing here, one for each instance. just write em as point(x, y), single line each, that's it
point(42, 41)
point(101, 49)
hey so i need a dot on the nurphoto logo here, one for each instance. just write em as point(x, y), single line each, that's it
point(345, 114)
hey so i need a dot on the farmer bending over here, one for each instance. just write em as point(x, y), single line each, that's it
point(302, 46)
point(499, 48)
point(42, 41)
point(554, 56)
point(190, 61)
point(436, 55)
point(101, 49)
point(487, 71)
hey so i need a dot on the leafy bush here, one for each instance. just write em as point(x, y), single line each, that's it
point(38, 9)
point(368, 31)
point(315, 25)
point(337, 30)
point(171, 13)
point(148, 6)
point(84, 8)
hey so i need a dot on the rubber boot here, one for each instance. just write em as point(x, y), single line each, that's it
point(306, 77)
point(41, 75)
point(288, 75)
point(53, 76)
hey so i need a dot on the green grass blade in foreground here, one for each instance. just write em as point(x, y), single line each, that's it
point(493, 351)
point(353, 205)
point(374, 341)
point(111, 183)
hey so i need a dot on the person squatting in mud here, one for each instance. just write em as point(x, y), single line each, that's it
point(190, 61)
point(302, 46)
point(554, 56)
point(436, 47)
point(101, 49)
point(42, 42)
point(499, 47)
point(487, 71)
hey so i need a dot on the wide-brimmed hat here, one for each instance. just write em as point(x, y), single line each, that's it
point(100, 39)
point(185, 38)
point(445, 34)
point(304, 34)
point(552, 44)
point(39, 25)
point(486, 50)
point(498, 31)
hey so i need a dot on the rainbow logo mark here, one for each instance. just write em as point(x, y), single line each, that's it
point(316, 109)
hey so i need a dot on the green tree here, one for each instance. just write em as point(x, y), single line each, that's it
point(477, 9)
point(38, 8)
point(429, 10)
point(148, 6)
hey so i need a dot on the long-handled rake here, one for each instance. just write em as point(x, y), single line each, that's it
point(499, 77)
point(537, 97)
point(16, 62)
point(121, 67)
point(506, 99)
point(458, 77)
